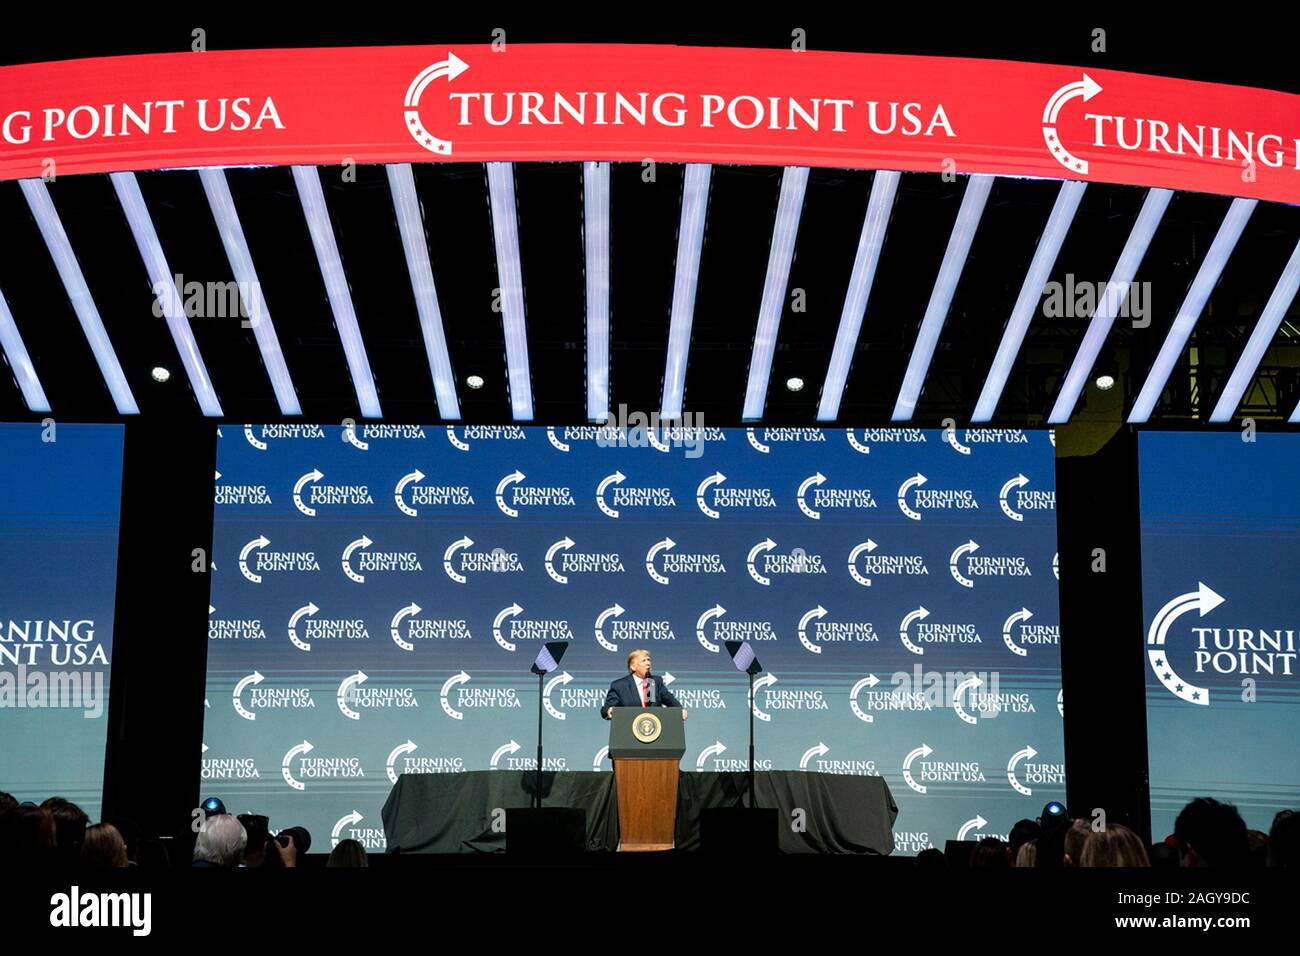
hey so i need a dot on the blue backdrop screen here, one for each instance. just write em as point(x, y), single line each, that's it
point(60, 498)
point(1221, 594)
point(380, 593)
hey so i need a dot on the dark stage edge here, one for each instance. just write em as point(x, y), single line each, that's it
point(811, 813)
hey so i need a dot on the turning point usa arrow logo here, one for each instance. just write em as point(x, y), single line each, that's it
point(1216, 650)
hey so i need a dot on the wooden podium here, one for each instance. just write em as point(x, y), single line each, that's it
point(646, 745)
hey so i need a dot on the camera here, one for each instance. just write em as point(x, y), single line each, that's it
point(301, 838)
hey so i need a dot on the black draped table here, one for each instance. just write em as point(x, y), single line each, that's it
point(456, 812)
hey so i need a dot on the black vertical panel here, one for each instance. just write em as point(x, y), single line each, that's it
point(1102, 668)
point(458, 220)
point(550, 203)
point(645, 214)
point(155, 717)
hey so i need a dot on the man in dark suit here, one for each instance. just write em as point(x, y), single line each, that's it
point(640, 688)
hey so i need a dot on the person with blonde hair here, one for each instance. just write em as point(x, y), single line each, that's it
point(348, 853)
point(103, 846)
point(1075, 838)
point(1116, 845)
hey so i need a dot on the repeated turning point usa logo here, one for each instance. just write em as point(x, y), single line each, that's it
point(449, 69)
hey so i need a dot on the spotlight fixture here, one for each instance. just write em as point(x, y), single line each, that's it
point(160, 374)
point(794, 383)
point(474, 381)
point(1105, 382)
point(1054, 815)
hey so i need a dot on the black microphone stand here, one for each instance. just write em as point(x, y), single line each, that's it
point(751, 740)
point(537, 793)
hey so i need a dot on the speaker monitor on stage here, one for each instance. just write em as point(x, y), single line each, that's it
point(545, 831)
point(739, 831)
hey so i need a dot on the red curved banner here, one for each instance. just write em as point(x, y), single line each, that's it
point(529, 102)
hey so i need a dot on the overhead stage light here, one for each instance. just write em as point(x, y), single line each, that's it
point(160, 374)
point(1031, 290)
point(1105, 382)
point(21, 363)
point(406, 204)
point(250, 289)
point(794, 184)
point(936, 312)
point(1276, 307)
point(1207, 277)
point(1103, 316)
point(595, 235)
point(38, 199)
point(505, 233)
point(307, 179)
point(164, 285)
point(690, 241)
point(870, 242)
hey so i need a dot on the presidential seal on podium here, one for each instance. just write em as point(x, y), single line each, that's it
point(647, 728)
